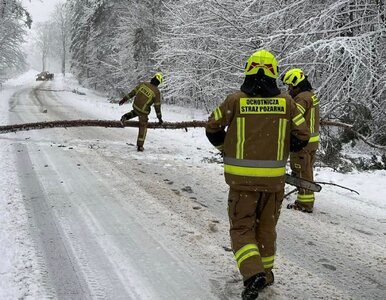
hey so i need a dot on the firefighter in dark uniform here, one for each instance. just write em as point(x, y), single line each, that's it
point(302, 162)
point(263, 126)
point(146, 94)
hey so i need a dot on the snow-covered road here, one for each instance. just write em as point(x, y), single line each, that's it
point(84, 216)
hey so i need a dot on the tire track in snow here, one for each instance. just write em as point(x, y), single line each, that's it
point(50, 245)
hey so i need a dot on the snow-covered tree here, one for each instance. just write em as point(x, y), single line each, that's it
point(339, 44)
point(202, 46)
point(113, 42)
point(61, 27)
point(14, 20)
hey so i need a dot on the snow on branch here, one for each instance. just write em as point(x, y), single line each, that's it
point(350, 127)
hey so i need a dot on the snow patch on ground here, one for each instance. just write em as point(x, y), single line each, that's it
point(339, 214)
point(18, 274)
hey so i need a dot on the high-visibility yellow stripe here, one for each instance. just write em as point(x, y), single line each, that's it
point(254, 172)
point(298, 119)
point(244, 257)
point(243, 137)
point(140, 109)
point(217, 114)
point(312, 120)
point(281, 138)
point(240, 138)
point(268, 261)
point(314, 139)
point(300, 108)
point(315, 100)
point(246, 252)
point(306, 198)
point(244, 249)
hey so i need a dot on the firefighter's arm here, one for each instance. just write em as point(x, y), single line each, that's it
point(129, 95)
point(217, 122)
point(157, 107)
point(303, 104)
point(300, 133)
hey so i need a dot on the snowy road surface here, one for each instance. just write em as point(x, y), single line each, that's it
point(85, 216)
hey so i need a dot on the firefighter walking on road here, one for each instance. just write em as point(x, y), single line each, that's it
point(255, 129)
point(146, 94)
point(302, 162)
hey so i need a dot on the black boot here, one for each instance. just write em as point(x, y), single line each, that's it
point(296, 206)
point(252, 287)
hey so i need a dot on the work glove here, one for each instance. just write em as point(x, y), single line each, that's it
point(123, 100)
point(160, 121)
point(296, 144)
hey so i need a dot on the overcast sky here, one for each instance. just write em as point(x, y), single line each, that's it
point(40, 9)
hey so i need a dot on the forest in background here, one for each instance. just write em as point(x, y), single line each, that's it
point(202, 46)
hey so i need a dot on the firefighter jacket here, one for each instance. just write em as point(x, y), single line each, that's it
point(146, 94)
point(308, 104)
point(256, 144)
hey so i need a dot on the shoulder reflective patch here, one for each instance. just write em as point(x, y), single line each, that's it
point(315, 100)
point(256, 106)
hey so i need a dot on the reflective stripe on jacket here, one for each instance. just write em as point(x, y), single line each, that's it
point(146, 95)
point(308, 104)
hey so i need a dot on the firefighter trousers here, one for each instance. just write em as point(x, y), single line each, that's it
point(302, 165)
point(142, 128)
point(253, 217)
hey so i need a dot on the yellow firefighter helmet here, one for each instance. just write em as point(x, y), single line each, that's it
point(264, 60)
point(159, 77)
point(293, 77)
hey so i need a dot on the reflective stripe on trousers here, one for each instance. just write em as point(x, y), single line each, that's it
point(254, 168)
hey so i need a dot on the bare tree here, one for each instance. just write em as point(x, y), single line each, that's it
point(44, 41)
point(62, 31)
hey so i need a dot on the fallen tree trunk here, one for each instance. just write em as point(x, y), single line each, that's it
point(98, 123)
point(117, 124)
point(154, 125)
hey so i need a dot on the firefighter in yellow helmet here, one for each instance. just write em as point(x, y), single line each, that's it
point(255, 128)
point(146, 94)
point(302, 162)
